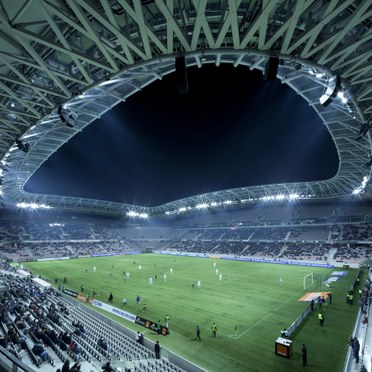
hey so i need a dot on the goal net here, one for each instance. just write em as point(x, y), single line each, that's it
point(308, 280)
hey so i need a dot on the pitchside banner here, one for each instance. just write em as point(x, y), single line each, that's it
point(151, 325)
point(298, 263)
point(114, 310)
point(70, 293)
point(114, 254)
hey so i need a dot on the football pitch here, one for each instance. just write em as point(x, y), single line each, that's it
point(246, 301)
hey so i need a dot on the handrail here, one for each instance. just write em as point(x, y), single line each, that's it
point(11, 363)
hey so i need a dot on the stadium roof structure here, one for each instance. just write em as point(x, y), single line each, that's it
point(74, 60)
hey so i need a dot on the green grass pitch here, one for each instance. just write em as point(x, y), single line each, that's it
point(249, 307)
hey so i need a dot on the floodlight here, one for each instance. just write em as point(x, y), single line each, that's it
point(32, 206)
point(342, 96)
point(201, 206)
point(293, 196)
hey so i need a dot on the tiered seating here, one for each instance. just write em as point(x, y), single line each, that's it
point(353, 253)
point(120, 346)
point(306, 251)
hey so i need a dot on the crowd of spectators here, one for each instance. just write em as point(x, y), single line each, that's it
point(38, 326)
point(352, 252)
point(312, 239)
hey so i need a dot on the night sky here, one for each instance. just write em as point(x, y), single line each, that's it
point(232, 129)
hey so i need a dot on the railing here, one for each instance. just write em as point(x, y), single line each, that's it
point(10, 363)
point(298, 321)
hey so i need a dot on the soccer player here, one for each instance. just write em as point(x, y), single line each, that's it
point(214, 330)
point(198, 333)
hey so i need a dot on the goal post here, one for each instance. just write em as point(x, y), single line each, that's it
point(308, 280)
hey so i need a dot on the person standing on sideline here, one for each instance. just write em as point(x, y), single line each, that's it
point(284, 332)
point(110, 297)
point(141, 337)
point(330, 298)
point(304, 354)
point(198, 333)
point(167, 320)
point(321, 319)
point(214, 330)
point(356, 348)
point(157, 350)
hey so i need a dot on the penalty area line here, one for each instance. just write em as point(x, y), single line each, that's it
point(236, 337)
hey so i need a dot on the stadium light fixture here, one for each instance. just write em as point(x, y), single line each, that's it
point(341, 94)
point(137, 214)
point(201, 206)
point(360, 189)
point(32, 206)
point(293, 196)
